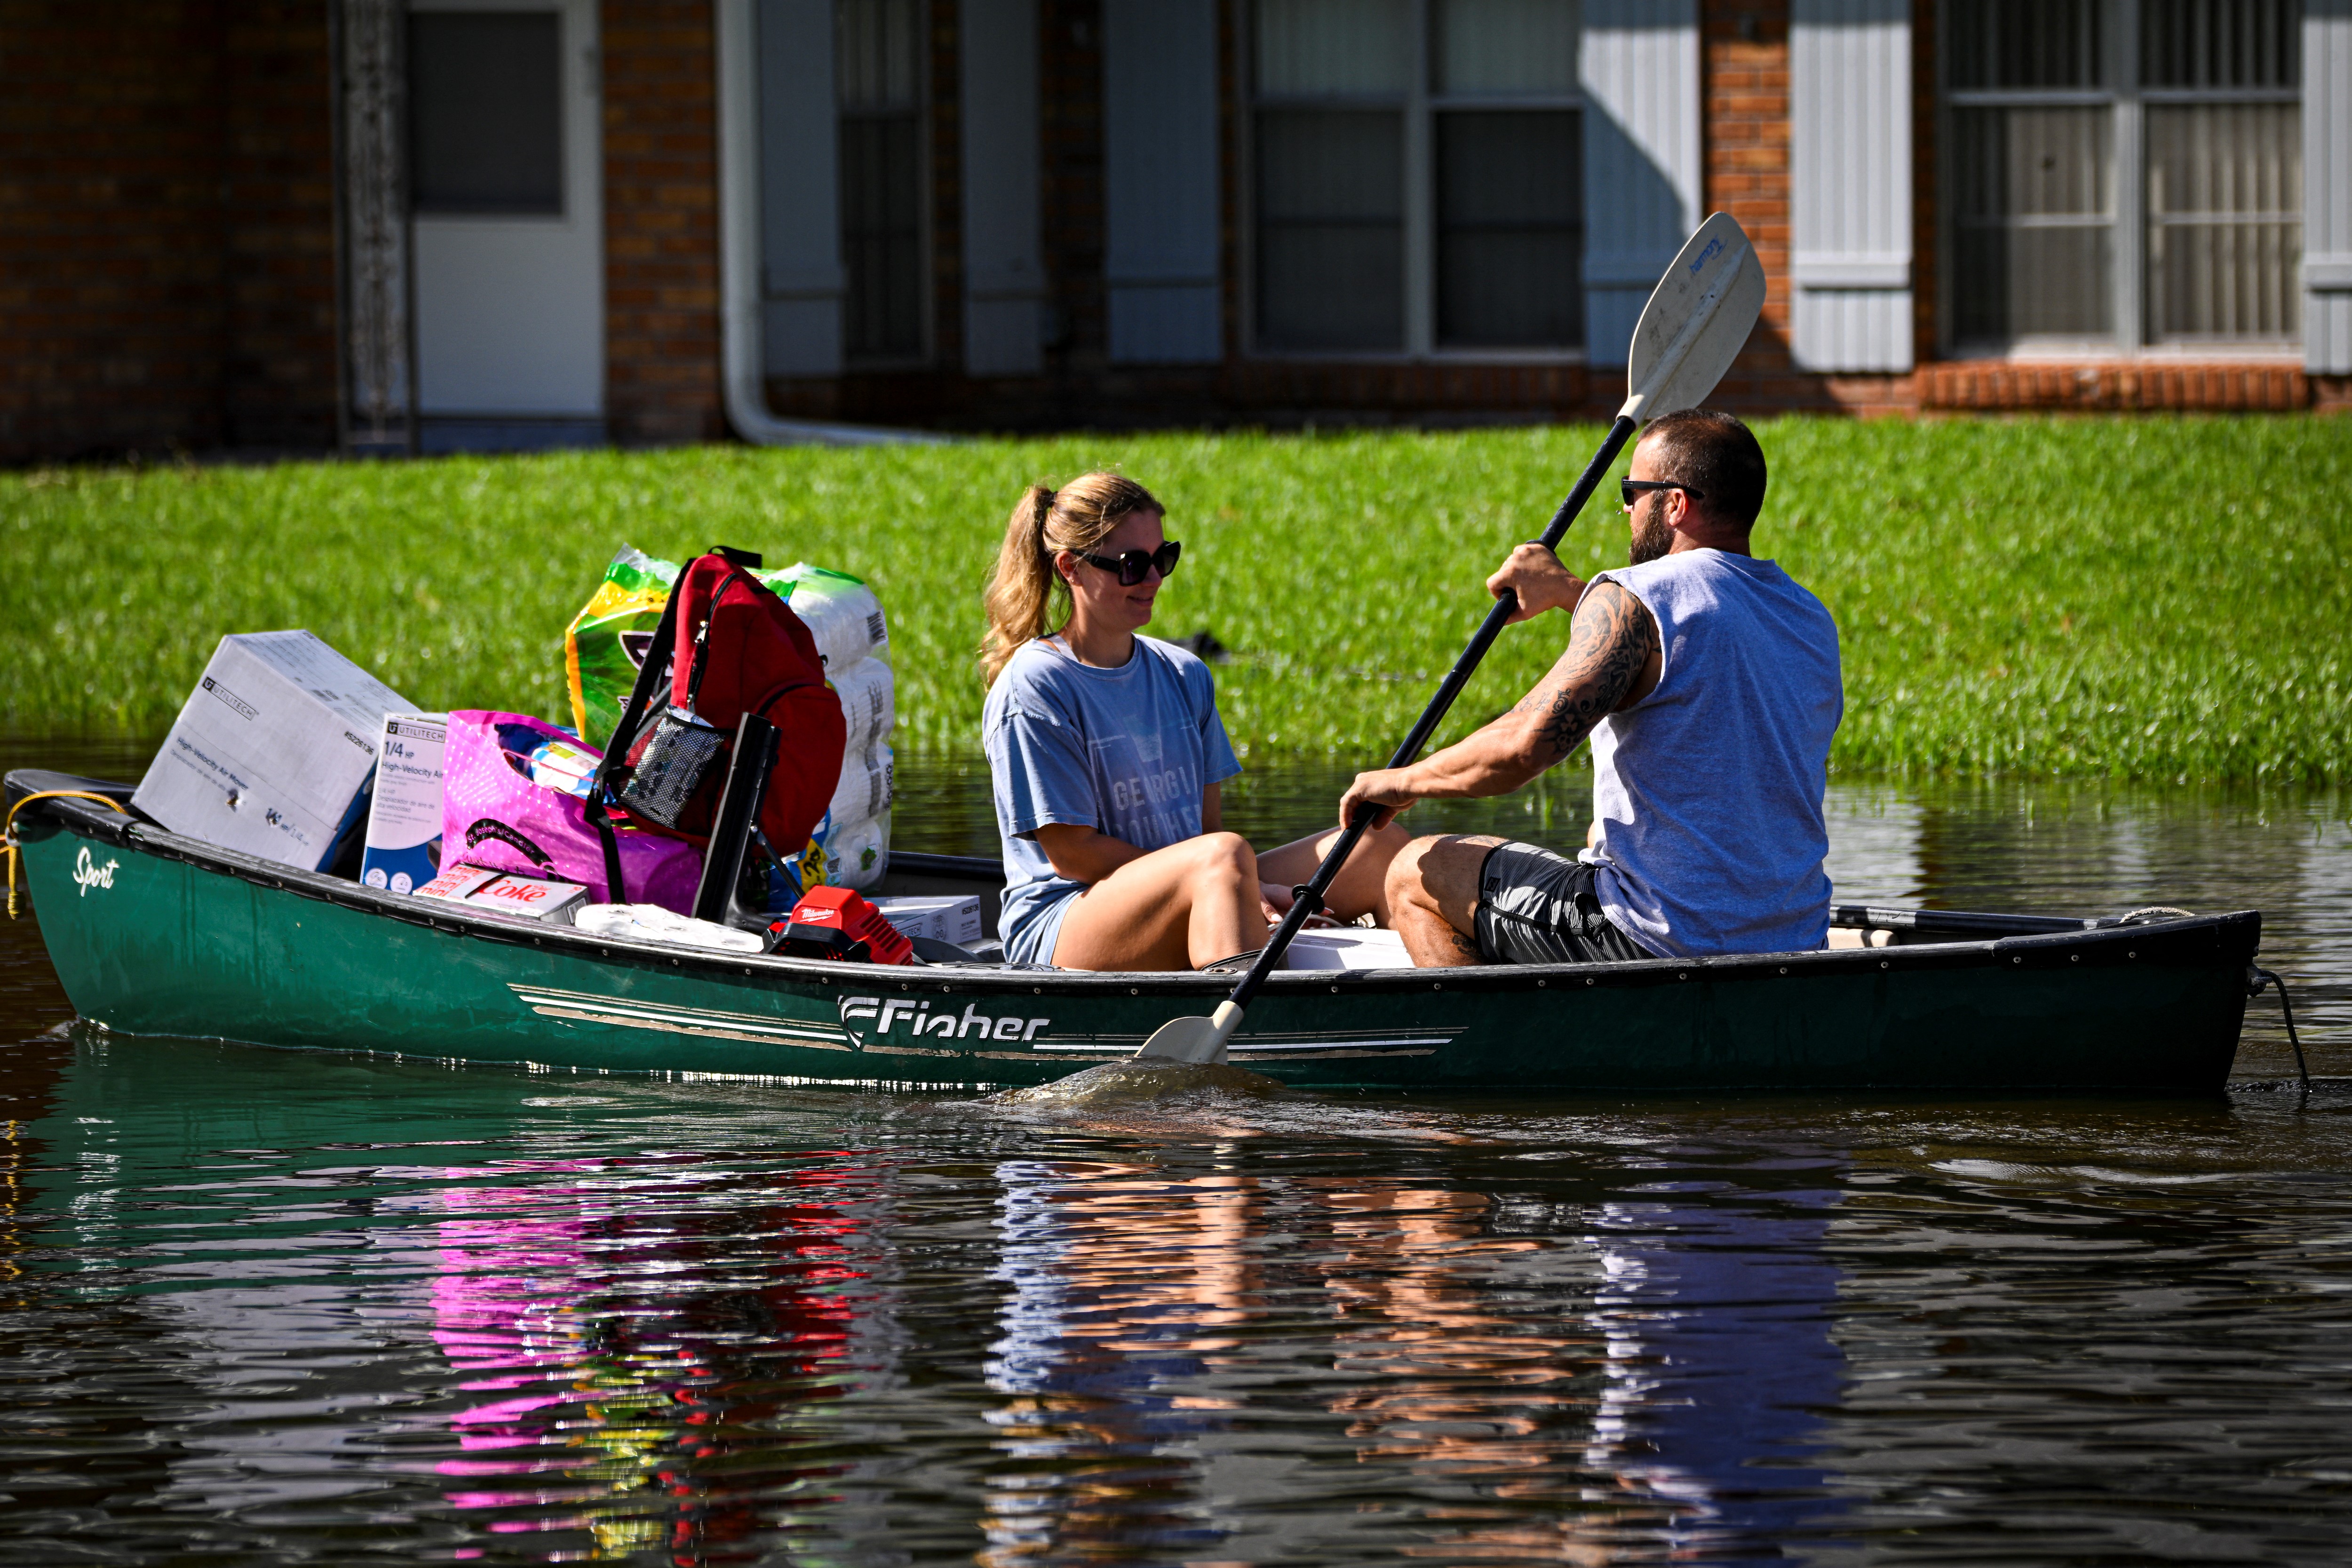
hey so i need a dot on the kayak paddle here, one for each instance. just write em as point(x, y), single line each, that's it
point(1697, 318)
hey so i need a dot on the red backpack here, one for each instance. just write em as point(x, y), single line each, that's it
point(730, 647)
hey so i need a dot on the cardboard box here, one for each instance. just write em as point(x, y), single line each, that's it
point(944, 918)
point(274, 750)
point(455, 883)
point(404, 826)
point(540, 899)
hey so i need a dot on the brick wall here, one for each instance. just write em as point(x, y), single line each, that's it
point(662, 349)
point(2116, 387)
point(1744, 78)
point(279, 193)
point(166, 227)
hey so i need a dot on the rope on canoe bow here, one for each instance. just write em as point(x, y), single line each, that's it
point(8, 845)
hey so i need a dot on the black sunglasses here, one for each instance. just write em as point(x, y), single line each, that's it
point(1131, 564)
point(1631, 491)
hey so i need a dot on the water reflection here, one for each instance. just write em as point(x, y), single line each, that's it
point(1612, 1378)
point(1122, 1287)
point(1721, 1364)
point(619, 1410)
point(271, 1303)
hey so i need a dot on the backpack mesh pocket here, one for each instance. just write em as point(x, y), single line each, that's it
point(681, 762)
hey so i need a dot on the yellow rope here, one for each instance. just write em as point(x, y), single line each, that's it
point(8, 845)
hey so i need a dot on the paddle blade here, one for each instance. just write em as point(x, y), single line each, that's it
point(1195, 1041)
point(1697, 322)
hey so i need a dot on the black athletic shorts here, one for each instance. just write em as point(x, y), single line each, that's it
point(1536, 907)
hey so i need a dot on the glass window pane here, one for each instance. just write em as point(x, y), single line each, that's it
point(2221, 43)
point(881, 239)
point(1331, 229)
point(1510, 243)
point(486, 112)
point(1496, 48)
point(2224, 221)
point(2034, 222)
point(1333, 46)
point(2027, 44)
point(877, 55)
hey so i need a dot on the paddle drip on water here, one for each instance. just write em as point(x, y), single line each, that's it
point(1132, 1080)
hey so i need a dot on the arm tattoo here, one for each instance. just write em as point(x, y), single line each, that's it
point(1613, 640)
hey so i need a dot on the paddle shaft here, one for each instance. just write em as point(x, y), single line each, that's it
point(1308, 900)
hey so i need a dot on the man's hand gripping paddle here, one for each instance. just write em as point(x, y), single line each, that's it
point(1697, 318)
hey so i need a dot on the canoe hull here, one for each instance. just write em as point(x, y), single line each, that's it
point(153, 934)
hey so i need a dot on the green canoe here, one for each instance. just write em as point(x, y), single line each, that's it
point(156, 934)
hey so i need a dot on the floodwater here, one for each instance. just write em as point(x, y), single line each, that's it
point(277, 1308)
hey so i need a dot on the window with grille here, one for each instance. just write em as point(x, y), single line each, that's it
point(2125, 172)
point(1417, 175)
point(486, 113)
point(878, 78)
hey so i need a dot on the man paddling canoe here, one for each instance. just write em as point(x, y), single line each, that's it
point(1708, 682)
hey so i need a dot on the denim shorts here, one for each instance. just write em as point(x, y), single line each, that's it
point(1536, 907)
point(1031, 942)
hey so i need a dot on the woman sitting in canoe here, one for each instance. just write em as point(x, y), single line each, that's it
point(1108, 757)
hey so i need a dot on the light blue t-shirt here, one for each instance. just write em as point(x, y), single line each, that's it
point(1125, 751)
point(1709, 790)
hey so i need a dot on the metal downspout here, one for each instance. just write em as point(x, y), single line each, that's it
point(738, 259)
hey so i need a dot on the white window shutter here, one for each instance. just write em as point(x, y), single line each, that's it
point(1003, 266)
point(801, 277)
point(2327, 186)
point(1161, 183)
point(1850, 184)
point(1639, 72)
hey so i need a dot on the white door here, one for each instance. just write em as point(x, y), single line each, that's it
point(506, 185)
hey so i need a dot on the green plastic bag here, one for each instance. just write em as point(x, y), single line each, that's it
point(607, 641)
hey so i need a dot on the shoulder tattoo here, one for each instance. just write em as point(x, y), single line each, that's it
point(1612, 638)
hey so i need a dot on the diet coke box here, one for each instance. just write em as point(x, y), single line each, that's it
point(540, 899)
point(455, 883)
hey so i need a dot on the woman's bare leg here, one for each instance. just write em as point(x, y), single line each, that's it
point(1362, 886)
point(1177, 907)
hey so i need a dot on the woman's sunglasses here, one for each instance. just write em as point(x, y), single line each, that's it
point(1131, 564)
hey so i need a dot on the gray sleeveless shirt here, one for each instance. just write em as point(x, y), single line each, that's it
point(1709, 790)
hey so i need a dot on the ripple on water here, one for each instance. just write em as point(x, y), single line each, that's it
point(264, 1304)
point(1131, 1082)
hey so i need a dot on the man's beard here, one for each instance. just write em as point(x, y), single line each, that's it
point(1652, 537)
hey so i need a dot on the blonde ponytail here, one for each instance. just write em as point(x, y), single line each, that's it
point(1020, 599)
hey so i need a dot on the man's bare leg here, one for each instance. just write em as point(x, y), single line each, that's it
point(1433, 897)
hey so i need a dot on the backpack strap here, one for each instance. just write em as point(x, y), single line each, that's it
point(659, 655)
point(702, 639)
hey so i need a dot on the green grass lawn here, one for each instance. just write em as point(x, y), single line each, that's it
point(2146, 597)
